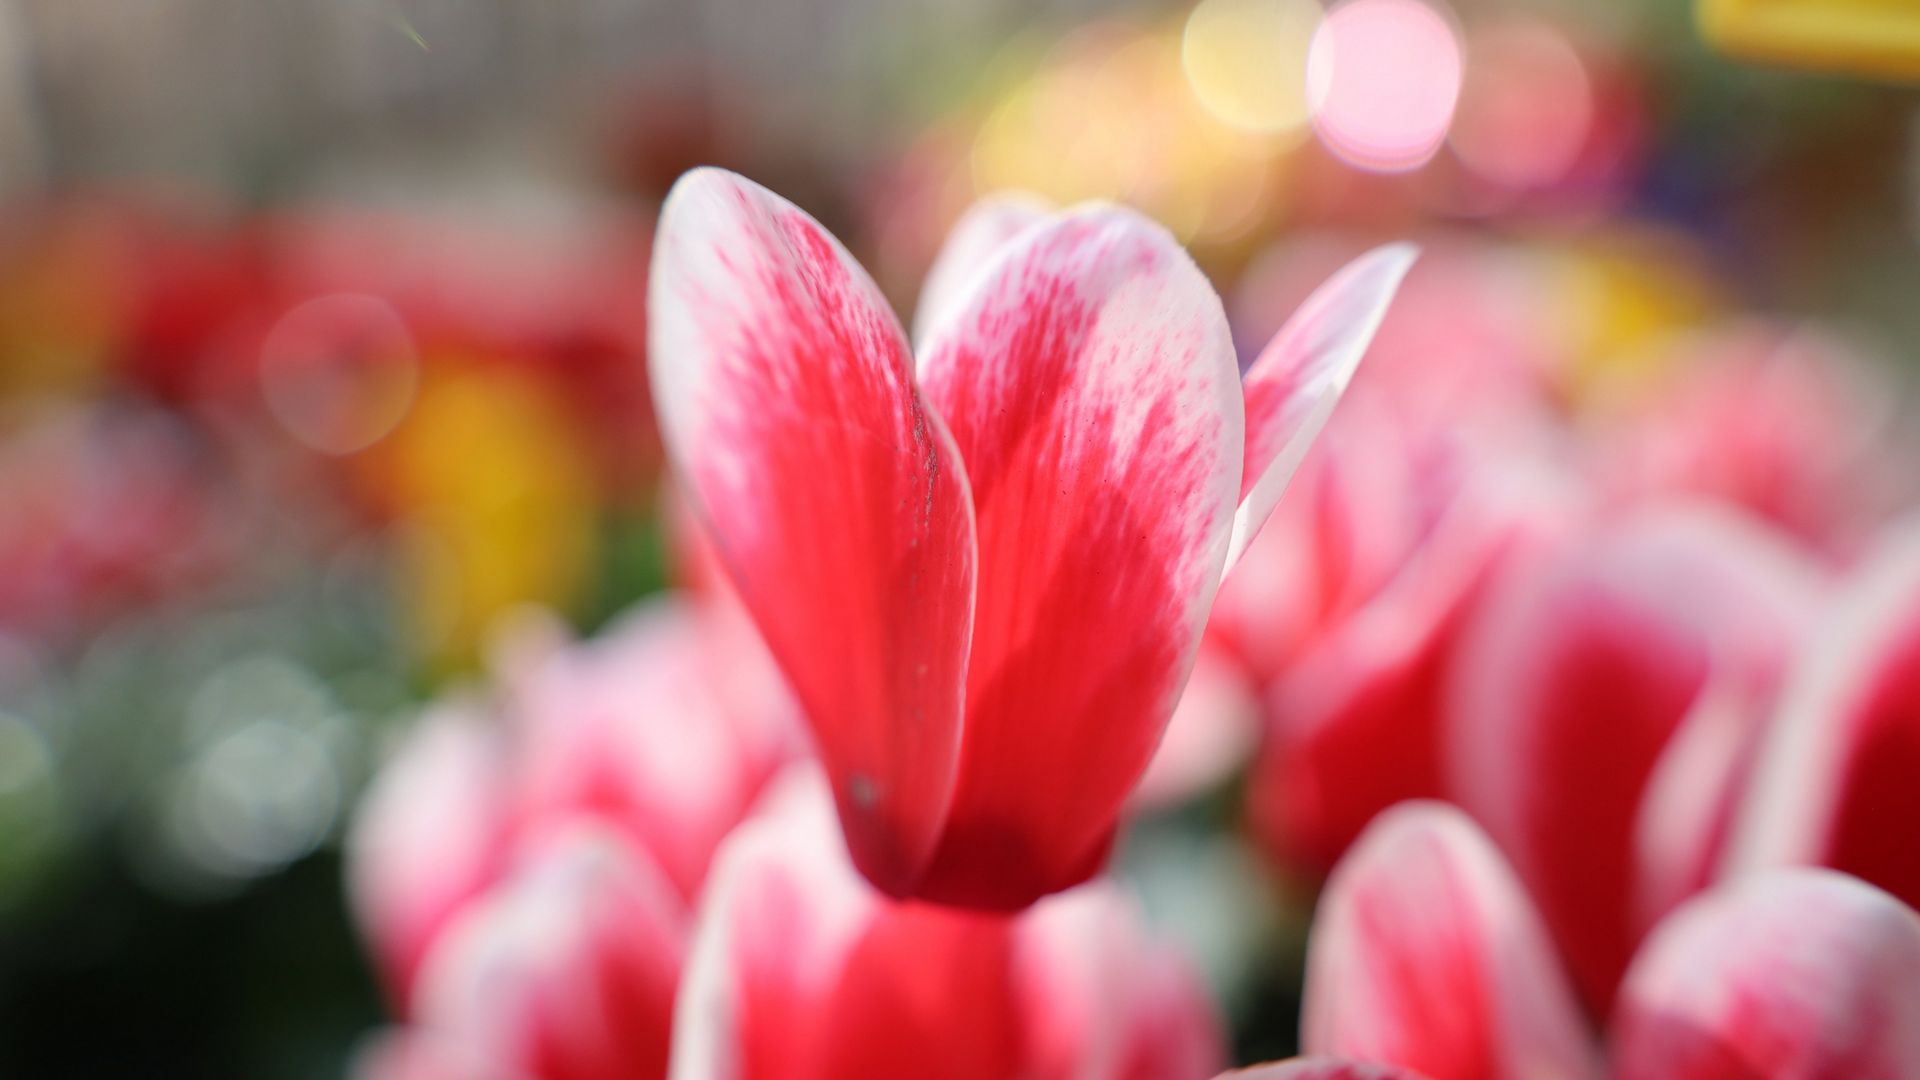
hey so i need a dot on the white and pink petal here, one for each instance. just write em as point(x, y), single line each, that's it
point(1091, 388)
point(1427, 954)
point(1796, 973)
point(833, 494)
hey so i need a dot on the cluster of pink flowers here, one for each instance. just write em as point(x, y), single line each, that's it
point(1591, 719)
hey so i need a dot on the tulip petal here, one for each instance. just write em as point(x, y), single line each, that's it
point(832, 492)
point(1091, 386)
point(1103, 999)
point(429, 835)
point(1425, 953)
point(1835, 785)
point(983, 232)
point(1797, 973)
point(1320, 1068)
point(568, 968)
point(1578, 671)
point(1293, 385)
point(782, 913)
point(800, 971)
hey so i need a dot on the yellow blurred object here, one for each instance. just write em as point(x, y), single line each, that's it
point(492, 485)
point(1618, 297)
point(61, 308)
point(1879, 38)
point(1113, 113)
point(1247, 60)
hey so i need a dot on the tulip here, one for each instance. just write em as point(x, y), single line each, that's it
point(801, 970)
point(1606, 704)
point(1356, 717)
point(1429, 956)
point(429, 835)
point(1789, 425)
point(565, 970)
point(1835, 782)
point(662, 731)
point(668, 723)
point(1440, 464)
point(984, 572)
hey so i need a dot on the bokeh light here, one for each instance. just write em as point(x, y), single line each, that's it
point(1526, 106)
point(1383, 77)
point(1247, 61)
point(339, 371)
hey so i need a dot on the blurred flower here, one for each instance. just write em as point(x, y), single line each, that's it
point(1357, 712)
point(109, 507)
point(1014, 544)
point(429, 836)
point(1788, 424)
point(1834, 784)
point(1871, 37)
point(658, 735)
point(1607, 701)
point(1427, 955)
point(565, 969)
point(801, 970)
point(1345, 612)
point(488, 485)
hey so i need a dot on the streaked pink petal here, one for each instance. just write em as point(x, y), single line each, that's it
point(1579, 670)
point(567, 969)
point(1799, 973)
point(1347, 524)
point(1296, 381)
point(832, 492)
point(982, 232)
point(1091, 387)
point(1320, 1068)
point(1426, 953)
point(1836, 783)
point(430, 834)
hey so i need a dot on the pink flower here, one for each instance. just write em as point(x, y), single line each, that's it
point(566, 969)
point(802, 971)
point(1404, 536)
point(600, 778)
point(1606, 704)
point(984, 571)
point(1790, 424)
point(1836, 781)
point(1428, 956)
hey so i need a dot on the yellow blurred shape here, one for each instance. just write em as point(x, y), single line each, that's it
point(1621, 295)
point(1247, 60)
point(1110, 114)
point(1869, 37)
point(492, 483)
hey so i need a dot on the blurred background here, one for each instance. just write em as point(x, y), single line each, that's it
point(322, 354)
